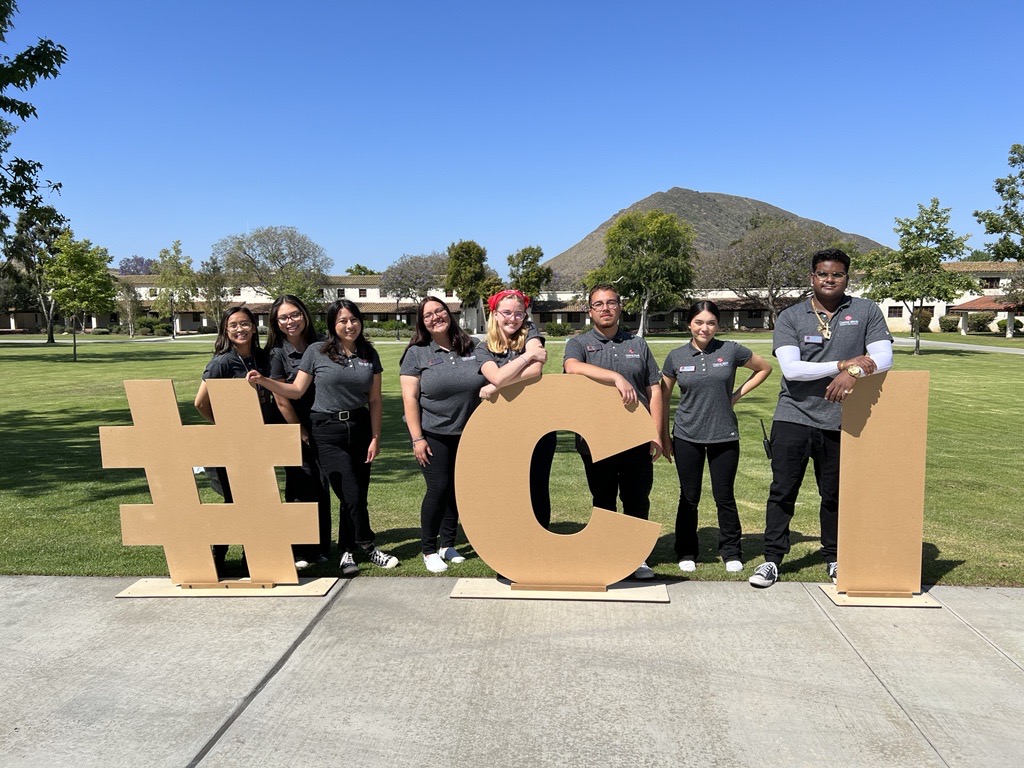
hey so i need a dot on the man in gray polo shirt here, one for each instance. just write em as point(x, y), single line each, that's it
point(610, 355)
point(823, 345)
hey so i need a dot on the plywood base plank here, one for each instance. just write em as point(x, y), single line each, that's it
point(165, 588)
point(914, 601)
point(492, 589)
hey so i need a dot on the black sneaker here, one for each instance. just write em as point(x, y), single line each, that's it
point(382, 559)
point(764, 576)
point(833, 570)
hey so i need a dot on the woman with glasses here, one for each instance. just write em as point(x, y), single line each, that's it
point(441, 384)
point(706, 426)
point(514, 352)
point(346, 419)
point(289, 335)
point(236, 352)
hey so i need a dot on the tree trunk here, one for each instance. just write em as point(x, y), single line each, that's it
point(1011, 318)
point(643, 314)
point(48, 313)
point(398, 331)
point(74, 342)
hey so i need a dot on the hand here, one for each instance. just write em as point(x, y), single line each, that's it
point(840, 387)
point(422, 452)
point(735, 397)
point(373, 451)
point(655, 450)
point(304, 434)
point(254, 378)
point(866, 364)
point(487, 391)
point(625, 390)
point(667, 452)
point(538, 355)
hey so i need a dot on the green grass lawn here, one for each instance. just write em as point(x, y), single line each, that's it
point(59, 507)
point(976, 339)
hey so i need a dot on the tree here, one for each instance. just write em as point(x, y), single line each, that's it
point(129, 305)
point(29, 252)
point(412, 277)
point(1008, 220)
point(359, 269)
point(213, 287)
point(466, 274)
point(20, 187)
point(770, 263)
point(176, 284)
point(914, 274)
point(648, 261)
point(525, 272)
point(136, 265)
point(80, 280)
point(492, 282)
point(276, 260)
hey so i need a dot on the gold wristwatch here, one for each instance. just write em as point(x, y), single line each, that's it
point(855, 370)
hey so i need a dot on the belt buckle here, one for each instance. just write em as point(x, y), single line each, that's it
point(344, 415)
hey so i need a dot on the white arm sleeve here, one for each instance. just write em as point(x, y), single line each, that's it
point(881, 353)
point(795, 369)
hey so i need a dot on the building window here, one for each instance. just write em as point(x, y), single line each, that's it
point(152, 293)
point(341, 293)
point(755, 314)
point(197, 317)
point(545, 317)
point(114, 318)
point(448, 294)
point(895, 312)
point(989, 283)
point(575, 317)
point(929, 308)
point(658, 319)
point(362, 293)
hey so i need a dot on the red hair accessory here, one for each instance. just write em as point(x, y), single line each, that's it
point(492, 303)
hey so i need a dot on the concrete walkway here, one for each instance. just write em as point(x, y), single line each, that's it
point(391, 672)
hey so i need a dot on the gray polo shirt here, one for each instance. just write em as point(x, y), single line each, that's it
point(484, 355)
point(449, 386)
point(706, 381)
point(284, 364)
point(625, 353)
point(855, 324)
point(341, 386)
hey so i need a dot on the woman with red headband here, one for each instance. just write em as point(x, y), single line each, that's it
point(514, 352)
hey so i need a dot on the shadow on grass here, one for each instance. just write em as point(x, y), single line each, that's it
point(92, 355)
point(932, 568)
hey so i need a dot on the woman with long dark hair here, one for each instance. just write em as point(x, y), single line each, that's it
point(706, 426)
point(441, 384)
point(289, 335)
point(236, 352)
point(346, 419)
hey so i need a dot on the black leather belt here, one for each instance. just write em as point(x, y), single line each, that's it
point(319, 417)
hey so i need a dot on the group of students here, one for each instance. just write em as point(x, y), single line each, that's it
point(332, 388)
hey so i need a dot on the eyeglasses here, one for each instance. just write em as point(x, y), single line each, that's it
point(508, 314)
point(611, 304)
point(428, 317)
point(239, 326)
point(294, 316)
point(827, 275)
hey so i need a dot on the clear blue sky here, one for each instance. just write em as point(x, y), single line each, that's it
point(397, 127)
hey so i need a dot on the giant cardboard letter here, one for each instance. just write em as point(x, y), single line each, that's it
point(501, 526)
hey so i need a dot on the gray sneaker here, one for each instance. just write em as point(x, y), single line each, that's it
point(765, 575)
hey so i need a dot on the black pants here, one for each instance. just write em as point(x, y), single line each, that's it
point(540, 476)
point(341, 451)
point(628, 475)
point(306, 484)
point(439, 512)
point(723, 461)
point(792, 445)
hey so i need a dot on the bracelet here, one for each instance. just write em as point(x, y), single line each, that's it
point(417, 439)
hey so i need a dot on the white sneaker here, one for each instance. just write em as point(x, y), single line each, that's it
point(687, 566)
point(451, 554)
point(733, 566)
point(643, 572)
point(301, 565)
point(434, 563)
point(383, 559)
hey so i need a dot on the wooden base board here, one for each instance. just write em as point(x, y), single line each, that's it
point(492, 589)
point(164, 588)
point(914, 601)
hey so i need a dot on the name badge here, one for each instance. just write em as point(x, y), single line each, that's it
point(813, 340)
point(687, 368)
point(435, 361)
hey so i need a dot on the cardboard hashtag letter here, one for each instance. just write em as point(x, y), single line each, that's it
point(240, 442)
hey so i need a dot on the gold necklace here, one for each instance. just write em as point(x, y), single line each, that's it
point(823, 319)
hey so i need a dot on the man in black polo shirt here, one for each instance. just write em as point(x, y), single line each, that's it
point(823, 346)
point(610, 355)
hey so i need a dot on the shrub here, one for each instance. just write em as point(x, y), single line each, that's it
point(949, 323)
point(115, 328)
point(558, 329)
point(921, 318)
point(56, 329)
point(100, 332)
point(1017, 325)
point(206, 329)
point(979, 322)
point(162, 329)
point(143, 330)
